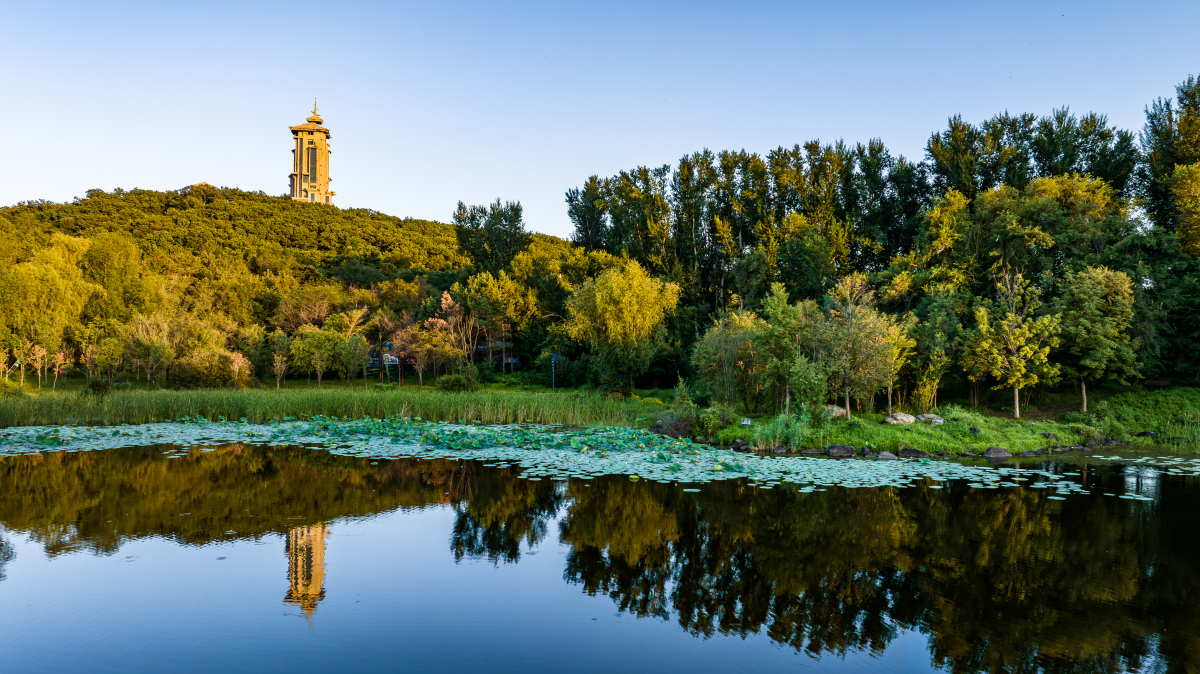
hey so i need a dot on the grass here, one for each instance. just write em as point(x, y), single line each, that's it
point(1174, 414)
point(491, 407)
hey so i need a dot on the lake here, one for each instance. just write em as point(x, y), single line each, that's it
point(244, 557)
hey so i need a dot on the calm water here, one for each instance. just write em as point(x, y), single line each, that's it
point(252, 559)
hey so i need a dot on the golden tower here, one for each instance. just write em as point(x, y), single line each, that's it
point(309, 180)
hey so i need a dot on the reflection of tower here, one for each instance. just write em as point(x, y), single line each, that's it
point(306, 567)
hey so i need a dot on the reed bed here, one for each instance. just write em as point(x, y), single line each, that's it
point(489, 407)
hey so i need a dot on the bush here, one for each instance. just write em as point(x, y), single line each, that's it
point(714, 419)
point(453, 383)
point(10, 388)
point(486, 372)
point(98, 387)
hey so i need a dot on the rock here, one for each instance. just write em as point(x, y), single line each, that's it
point(1049, 436)
point(738, 444)
point(835, 411)
point(886, 456)
point(933, 419)
point(969, 455)
point(1027, 455)
point(974, 431)
point(900, 418)
point(942, 452)
point(840, 450)
point(1108, 442)
point(1147, 434)
point(1059, 450)
point(780, 450)
point(997, 453)
point(913, 454)
point(868, 454)
point(812, 452)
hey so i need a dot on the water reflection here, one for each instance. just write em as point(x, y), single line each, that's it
point(306, 567)
point(999, 580)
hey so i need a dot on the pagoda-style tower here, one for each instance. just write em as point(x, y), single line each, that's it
point(309, 180)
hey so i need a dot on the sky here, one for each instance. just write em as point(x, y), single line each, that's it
point(433, 103)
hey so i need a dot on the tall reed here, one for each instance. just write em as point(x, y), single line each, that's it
point(490, 407)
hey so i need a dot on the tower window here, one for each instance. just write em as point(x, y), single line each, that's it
point(312, 162)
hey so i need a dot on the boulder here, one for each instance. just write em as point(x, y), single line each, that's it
point(812, 452)
point(835, 411)
point(1108, 442)
point(1027, 455)
point(969, 455)
point(1059, 450)
point(886, 456)
point(780, 450)
point(913, 454)
point(739, 444)
point(867, 454)
point(1049, 436)
point(974, 431)
point(840, 450)
point(900, 418)
point(933, 419)
point(998, 453)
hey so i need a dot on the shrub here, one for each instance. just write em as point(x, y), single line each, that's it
point(453, 383)
point(677, 423)
point(10, 388)
point(98, 387)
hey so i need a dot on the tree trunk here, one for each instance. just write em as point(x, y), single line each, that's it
point(889, 399)
point(318, 381)
point(1083, 388)
point(277, 384)
point(787, 399)
point(420, 380)
point(1016, 402)
point(847, 404)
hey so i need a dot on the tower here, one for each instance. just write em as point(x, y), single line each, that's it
point(309, 180)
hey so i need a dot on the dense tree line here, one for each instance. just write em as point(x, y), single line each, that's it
point(1020, 252)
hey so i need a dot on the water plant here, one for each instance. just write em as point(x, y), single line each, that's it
point(489, 407)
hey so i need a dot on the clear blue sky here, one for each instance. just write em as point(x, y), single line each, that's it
point(434, 102)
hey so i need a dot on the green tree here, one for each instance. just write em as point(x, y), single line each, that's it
point(492, 235)
point(1185, 188)
point(280, 347)
point(620, 314)
point(858, 348)
point(1096, 306)
point(313, 349)
point(354, 354)
point(1012, 342)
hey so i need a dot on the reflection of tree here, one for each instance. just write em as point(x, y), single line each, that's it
point(619, 534)
point(98, 500)
point(7, 554)
point(1001, 581)
point(498, 512)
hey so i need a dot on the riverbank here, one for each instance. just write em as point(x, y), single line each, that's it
point(1165, 418)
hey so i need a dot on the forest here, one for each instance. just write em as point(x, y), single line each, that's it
point(1022, 254)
